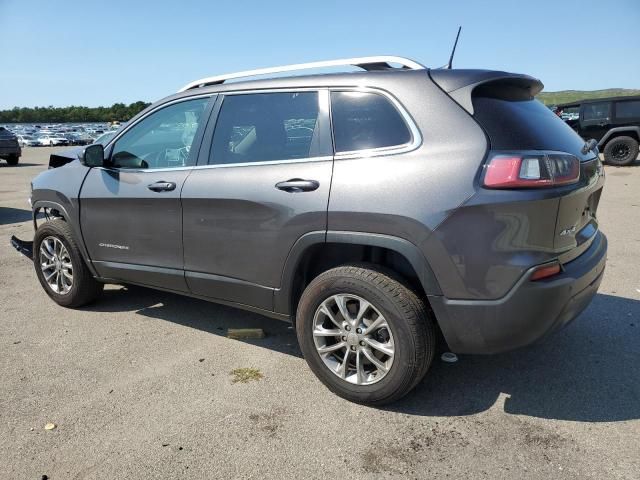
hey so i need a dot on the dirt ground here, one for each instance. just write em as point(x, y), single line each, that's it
point(139, 385)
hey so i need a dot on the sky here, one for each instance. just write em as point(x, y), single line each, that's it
point(89, 52)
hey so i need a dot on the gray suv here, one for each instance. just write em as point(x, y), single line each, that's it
point(377, 211)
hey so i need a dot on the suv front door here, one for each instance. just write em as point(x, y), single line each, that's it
point(131, 215)
point(262, 181)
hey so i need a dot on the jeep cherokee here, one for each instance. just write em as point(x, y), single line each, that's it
point(374, 210)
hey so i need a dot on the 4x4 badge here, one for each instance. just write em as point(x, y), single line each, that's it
point(568, 231)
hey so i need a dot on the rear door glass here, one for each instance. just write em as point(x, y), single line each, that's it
point(596, 111)
point(266, 127)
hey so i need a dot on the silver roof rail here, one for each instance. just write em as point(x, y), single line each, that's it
point(382, 62)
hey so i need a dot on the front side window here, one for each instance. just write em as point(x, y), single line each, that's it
point(161, 140)
point(261, 127)
point(363, 120)
point(596, 111)
point(628, 109)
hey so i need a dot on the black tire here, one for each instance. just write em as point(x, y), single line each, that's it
point(84, 289)
point(13, 160)
point(412, 329)
point(621, 151)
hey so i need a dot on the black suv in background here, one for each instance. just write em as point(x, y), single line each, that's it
point(614, 122)
point(9, 147)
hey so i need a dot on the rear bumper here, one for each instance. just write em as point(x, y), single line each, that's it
point(6, 151)
point(529, 312)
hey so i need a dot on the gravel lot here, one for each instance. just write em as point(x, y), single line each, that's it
point(139, 385)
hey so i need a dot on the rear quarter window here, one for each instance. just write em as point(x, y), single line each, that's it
point(364, 120)
point(629, 109)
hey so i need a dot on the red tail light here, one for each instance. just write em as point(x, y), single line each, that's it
point(530, 170)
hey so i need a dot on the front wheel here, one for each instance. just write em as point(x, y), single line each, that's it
point(60, 267)
point(365, 335)
point(13, 160)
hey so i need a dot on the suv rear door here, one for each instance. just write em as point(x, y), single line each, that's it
point(262, 181)
point(131, 216)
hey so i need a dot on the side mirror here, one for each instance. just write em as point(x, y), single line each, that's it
point(93, 155)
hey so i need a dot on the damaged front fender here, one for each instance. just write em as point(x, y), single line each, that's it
point(25, 247)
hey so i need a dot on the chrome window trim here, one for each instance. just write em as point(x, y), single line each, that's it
point(324, 99)
point(413, 144)
point(266, 162)
point(224, 165)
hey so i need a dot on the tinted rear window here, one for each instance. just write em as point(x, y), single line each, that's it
point(363, 120)
point(524, 125)
point(628, 109)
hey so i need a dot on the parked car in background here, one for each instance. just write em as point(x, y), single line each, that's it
point(78, 138)
point(340, 203)
point(52, 139)
point(9, 147)
point(614, 122)
point(28, 141)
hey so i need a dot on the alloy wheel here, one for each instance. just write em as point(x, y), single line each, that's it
point(353, 339)
point(56, 265)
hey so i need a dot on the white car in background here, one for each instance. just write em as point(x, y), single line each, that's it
point(51, 140)
point(28, 141)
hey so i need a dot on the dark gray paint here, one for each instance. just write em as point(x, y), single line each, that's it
point(119, 209)
point(239, 225)
point(229, 235)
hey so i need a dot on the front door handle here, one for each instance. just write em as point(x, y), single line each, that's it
point(298, 185)
point(162, 186)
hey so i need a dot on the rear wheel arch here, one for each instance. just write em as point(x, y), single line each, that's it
point(633, 132)
point(317, 252)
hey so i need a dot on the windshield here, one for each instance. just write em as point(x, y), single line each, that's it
point(104, 139)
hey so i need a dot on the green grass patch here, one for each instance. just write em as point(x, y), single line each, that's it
point(245, 375)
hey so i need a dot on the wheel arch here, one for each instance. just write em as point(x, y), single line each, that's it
point(68, 218)
point(618, 132)
point(316, 252)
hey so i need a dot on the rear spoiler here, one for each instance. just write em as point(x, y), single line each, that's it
point(460, 85)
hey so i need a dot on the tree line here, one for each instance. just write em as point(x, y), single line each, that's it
point(117, 111)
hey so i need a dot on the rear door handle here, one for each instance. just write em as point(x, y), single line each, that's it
point(162, 186)
point(298, 185)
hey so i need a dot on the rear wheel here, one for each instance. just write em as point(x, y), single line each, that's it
point(13, 160)
point(621, 151)
point(364, 334)
point(60, 267)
